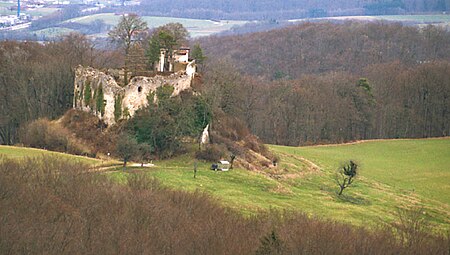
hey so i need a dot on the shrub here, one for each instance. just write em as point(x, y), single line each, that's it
point(91, 130)
point(211, 153)
point(87, 94)
point(45, 134)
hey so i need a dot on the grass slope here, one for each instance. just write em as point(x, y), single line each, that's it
point(394, 174)
point(420, 166)
point(22, 152)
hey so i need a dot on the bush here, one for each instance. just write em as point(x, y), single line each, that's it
point(91, 130)
point(44, 134)
point(212, 153)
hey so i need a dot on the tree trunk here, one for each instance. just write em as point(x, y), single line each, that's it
point(342, 189)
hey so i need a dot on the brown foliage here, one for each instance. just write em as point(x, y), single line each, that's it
point(52, 206)
point(91, 130)
point(332, 83)
point(212, 153)
point(314, 48)
point(236, 139)
point(45, 134)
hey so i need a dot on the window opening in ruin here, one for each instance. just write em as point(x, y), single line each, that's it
point(139, 89)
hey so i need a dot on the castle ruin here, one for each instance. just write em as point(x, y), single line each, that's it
point(99, 92)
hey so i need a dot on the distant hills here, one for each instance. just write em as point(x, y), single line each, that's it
point(287, 9)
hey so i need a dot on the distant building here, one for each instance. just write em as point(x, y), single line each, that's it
point(178, 62)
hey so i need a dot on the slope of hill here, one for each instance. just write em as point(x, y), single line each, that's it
point(313, 48)
point(394, 174)
point(53, 206)
point(14, 152)
point(285, 9)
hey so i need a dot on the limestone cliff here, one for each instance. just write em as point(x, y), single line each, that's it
point(98, 92)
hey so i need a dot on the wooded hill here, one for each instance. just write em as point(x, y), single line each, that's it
point(306, 84)
point(320, 83)
point(286, 9)
point(313, 48)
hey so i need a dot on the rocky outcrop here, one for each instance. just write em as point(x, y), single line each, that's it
point(99, 93)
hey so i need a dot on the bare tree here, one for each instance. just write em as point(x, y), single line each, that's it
point(126, 33)
point(346, 175)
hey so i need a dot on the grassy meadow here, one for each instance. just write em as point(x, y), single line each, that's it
point(22, 152)
point(393, 174)
point(196, 27)
point(426, 19)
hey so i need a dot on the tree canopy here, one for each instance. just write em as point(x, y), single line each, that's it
point(128, 31)
point(169, 37)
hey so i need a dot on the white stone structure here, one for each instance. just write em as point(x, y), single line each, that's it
point(205, 135)
point(129, 98)
point(179, 62)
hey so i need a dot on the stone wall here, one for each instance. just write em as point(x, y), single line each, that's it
point(120, 102)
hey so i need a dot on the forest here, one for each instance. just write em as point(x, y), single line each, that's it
point(306, 84)
point(36, 80)
point(328, 83)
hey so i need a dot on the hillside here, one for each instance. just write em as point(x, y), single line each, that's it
point(316, 48)
point(56, 206)
point(394, 174)
point(288, 9)
point(13, 152)
point(319, 83)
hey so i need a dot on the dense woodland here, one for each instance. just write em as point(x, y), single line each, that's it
point(306, 84)
point(37, 80)
point(321, 83)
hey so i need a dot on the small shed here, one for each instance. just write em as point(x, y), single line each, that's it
point(224, 165)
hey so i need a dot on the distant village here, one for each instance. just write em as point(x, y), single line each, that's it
point(18, 13)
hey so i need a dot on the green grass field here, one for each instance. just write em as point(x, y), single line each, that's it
point(22, 152)
point(442, 20)
point(196, 27)
point(54, 31)
point(6, 4)
point(435, 18)
point(41, 11)
point(393, 174)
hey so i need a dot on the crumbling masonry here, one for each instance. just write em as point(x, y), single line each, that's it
point(98, 92)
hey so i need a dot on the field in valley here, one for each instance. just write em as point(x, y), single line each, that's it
point(393, 174)
point(196, 27)
point(442, 20)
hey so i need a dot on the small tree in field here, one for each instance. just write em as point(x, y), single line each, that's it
point(126, 148)
point(346, 175)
